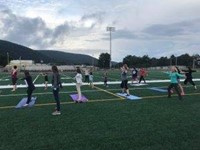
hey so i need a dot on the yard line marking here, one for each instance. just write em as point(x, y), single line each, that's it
point(36, 78)
point(46, 93)
point(66, 103)
point(160, 96)
point(109, 92)
point(100, 100)
point(86, 91)
point(95, 83)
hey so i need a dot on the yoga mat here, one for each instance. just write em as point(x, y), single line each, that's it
point(130, 97)
point(75, 97)
point(23, 101)
point(158, 89)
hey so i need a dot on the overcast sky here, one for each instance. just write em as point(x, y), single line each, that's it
point(143, 27)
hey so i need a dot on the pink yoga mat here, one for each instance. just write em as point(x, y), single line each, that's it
point(75, 97)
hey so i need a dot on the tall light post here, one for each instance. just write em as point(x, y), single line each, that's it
point(8, 61)
point(176, 60)
point(110, 29)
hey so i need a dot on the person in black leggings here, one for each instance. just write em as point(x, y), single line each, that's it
point(189, 78)
point(30, 88)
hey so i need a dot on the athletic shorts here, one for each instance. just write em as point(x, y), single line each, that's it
point(14, 81)
point(124, 84)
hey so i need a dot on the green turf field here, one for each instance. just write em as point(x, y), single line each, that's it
point(105, 122)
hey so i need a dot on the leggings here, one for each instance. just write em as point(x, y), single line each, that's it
point(175, 86)
point(142, 78)
point(29, 93)
point(56, 97)
point(189, 80)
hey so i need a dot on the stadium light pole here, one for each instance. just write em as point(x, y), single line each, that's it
point(8, 61)
point(110, 30)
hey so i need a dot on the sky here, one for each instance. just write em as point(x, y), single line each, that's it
point(142, 27)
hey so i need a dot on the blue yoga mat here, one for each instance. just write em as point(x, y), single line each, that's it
point(23, 101)
point(158, 89)
point(75, 98)
point(130, 97)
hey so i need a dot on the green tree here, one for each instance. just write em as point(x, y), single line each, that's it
point(104, 60)
point(3, 60)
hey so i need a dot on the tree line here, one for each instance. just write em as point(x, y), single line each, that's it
point(146, 61)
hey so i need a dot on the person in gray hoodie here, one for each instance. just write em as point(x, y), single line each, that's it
point(56, 85)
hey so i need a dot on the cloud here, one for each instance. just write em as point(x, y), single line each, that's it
point(31, 31)
point(175, 29)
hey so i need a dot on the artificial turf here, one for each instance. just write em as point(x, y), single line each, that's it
point(105, 122)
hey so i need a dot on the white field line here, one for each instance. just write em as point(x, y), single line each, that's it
point(85, 91)
point(36, 78)
point(95, 83)
point(101, 77)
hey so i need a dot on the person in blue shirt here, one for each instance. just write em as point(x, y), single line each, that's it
point(174, 82)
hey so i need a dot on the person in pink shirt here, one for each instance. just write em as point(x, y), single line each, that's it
point(142, 74)
point(14, 78)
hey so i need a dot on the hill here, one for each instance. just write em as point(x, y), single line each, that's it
point(16, 51)
point(69, 58)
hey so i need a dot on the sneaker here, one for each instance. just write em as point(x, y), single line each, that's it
point(56, 113)
point(13, 90)
point(127, 94)
point(25, 105)
point(171, 91)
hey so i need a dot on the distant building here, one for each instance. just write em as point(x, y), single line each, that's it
point(21, 62)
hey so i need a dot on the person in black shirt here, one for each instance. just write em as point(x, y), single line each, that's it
point(188, 74)
point(134, 75)
point(30, 86)
point(46, 80)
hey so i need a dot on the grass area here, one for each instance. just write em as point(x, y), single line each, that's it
point(105, 122)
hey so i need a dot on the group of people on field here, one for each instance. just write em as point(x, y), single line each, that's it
point(175, 74)
point(136, 76)
point(56, 84)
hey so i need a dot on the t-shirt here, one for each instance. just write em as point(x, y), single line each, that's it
point(78, 78)
point(124, 75)
point(134, 72)
point(14, 74)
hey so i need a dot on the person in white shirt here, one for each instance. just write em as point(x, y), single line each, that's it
point(86, 75)
point(78, 79)
point(91, 79)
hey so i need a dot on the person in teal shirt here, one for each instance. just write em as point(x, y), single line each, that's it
point(174, 82)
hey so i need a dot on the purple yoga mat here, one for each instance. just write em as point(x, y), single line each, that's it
point(75, 97)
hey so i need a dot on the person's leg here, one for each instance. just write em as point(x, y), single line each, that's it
point(29, 93)
point(105, 82)
point(122, 86)
point(144, 79)
point(57, 99)
point(126, 87)
point(140, 79)
point(46, 85)
point(14, 82)
point(88, 79)
point(181, 88)
point(186, 81)
point(78, 87)
point(169, 90)
point(177, 91)
point(192, 82)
